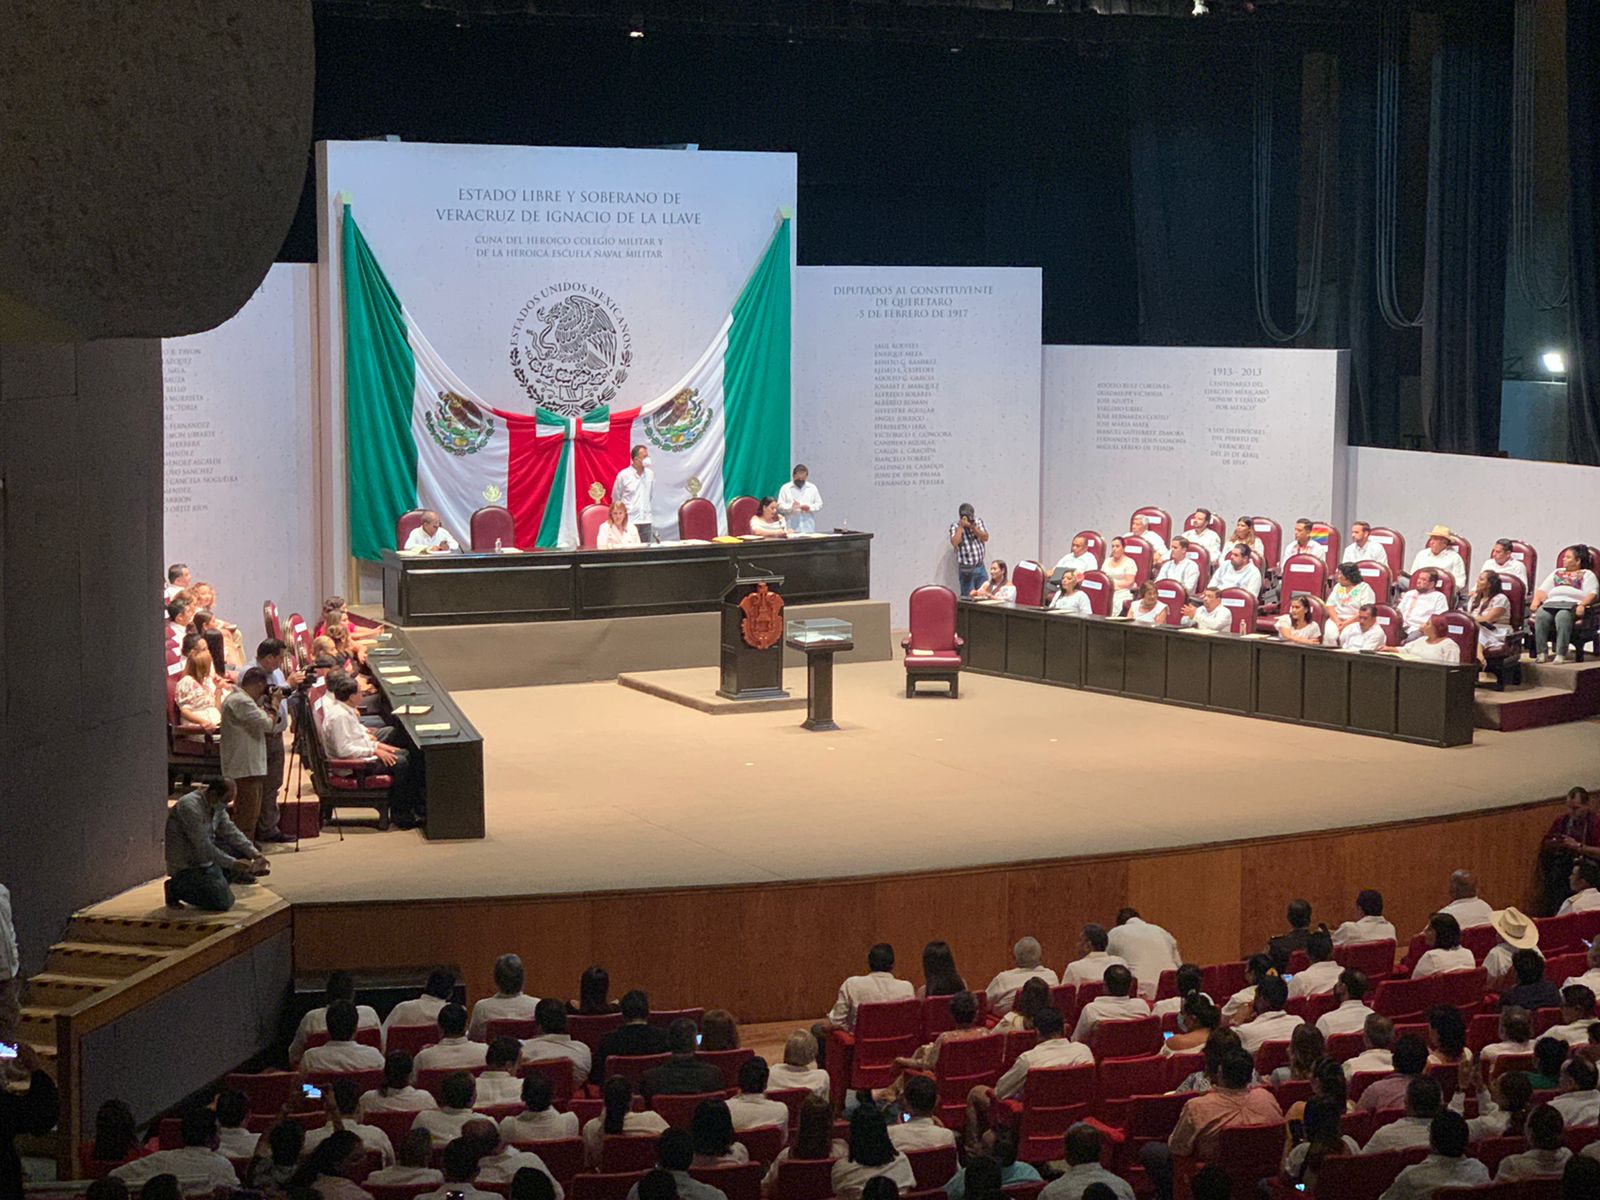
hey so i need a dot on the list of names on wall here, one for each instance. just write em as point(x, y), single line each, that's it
point(191, 465)
point(1133, 416)
point(1235, 396)
point(905, 398)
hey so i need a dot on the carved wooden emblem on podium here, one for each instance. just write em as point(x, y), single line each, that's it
point(763, 618)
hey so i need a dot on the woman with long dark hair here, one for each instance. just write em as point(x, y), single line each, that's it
point(939, 974)
point(870, 1154)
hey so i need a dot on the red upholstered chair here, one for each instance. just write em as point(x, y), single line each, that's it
point(1304, 574)
point(269, 618)
point(763, 1142)
point(557, 1070)
point(605, 1185)
point(1097, 586)
point(1247, 1153)
point(431, 1079)
point(1028, 1190)
point(191, 750)
point(677, 1108)
point(1183, 1064)
point(1501, 1189)
point(404, 526)
point(338, 782)
point(865, 1058)
point(1460, 989)
point(1463, 631)
point(1558, 968)
point(1291, 1091)
point(1138, 550)
point(1095, 543)
point(1271, 1056)
point(804, 1179)
point(631, 1151)
point(736, 1182)
point(1394, 548)
point(740, 510)
point(962, 1066)
point(1201, 558)
point(367, 1035)
point(663, 1018)
point(1446, 583)
point(1222, 979)
point(1480, 939)
point(933, 648)
point(1311, 1008)
point(564, 1157)
point(1374, 958)
point(1507, 661)
point(1525, 554)
point(935, 1166)
point(411, 1038)
point(490, 524)
point(1217, 525)
point(1053, 1100)
point(520, 1028)
point(1241, 605)
point(936, 1015)
point(1171, 593)
point(633, 1066)
point(1379, 578)
point(728, 1062)
point(1123, 1078)
point(1389, 621)
point(1363, 1176)
point(1399, 998)
point(399, 1191)
point(589, 521)
point(1270, 534)
point(1464, 548)
point(1028, 579)
point(591, 1028)
point(1564, 935)
point(299, 632)
point(697, 519)
point(1131, 1038)
point(1157, 520)
point(1342, 1047)
point(1064, 999)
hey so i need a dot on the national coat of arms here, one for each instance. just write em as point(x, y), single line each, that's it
point(763, 618)
point(678, 424)
point(571, 349)
point(459, 425)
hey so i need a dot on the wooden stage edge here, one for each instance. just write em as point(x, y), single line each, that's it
point(777, 950)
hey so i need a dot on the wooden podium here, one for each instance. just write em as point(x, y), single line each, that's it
point(752, 670)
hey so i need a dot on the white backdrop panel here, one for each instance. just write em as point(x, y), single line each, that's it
point(916, 388)
point(241, 504)
point(1238, 431)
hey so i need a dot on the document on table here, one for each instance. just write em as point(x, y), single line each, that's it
point(402, 678)
point(439, 727)
point(393, 668)
point(412, 710)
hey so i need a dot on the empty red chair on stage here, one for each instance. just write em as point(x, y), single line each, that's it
point(490, 524)
point(933, 648)
point(1270, 536)
point(1028, 579)
point(1097, 586)
point(697, 519)
point(1138, 550)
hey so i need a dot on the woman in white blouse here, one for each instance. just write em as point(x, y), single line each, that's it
point(618, 530)
point(1148, 609)
point(1344, 602)
point(1122, 571)
point(618, 1118)
point(1296, 625)
point(200, 690)
point(1491, 610)
point(767, 523)
point(1070, 599)
point(996, 587)
point(871, 1154)
point(799, 1066)
point(1445, 953)
point(1561, 601)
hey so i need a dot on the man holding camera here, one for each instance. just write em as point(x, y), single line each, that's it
point(269, 657)
point(967, 537)
point(247, 719)
point(205, 849)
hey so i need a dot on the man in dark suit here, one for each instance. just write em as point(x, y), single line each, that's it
point(685, 1075)
point(1285, 944)
point(635, 1036)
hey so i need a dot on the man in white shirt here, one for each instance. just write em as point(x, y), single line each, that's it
point(1003, 987)
point(1199, 532)
point(1378, 1033)
point(424, 1010)
point(431, 537)
point(633, 486)
point(1585, 882)
point(1092, 961)
point(498, 1082)
point(1351, 1013)
point(539, 1121)
point(444, 1124)
point(1238, 571)
point(1053, 1049)
point(1578, 1102)
point(180, 618)
point(877, 986)
point(1370, 926)
point(1083, 1153)
point(1546, 1158)
point(510, 1003)
point(341, 986)
point(460, 1163)
point(344, 736)
point(1118, 1003)
point(553, 1041)
point(1361, 548)
point(178, 580)
point(1322, 975)
point(751, 1109)
point(1577, 1014)
point(1446, 1165)
point(1210, 614)
point(399, 1092)
point(1271, 1023)
point(1140, 528)
point(1421, 604)
point(341, 1052)
point(1364, 633)
point(198, 1166)
point(1078, 558)
point(1180, 568)
point(1147, 949)
point(233, 1139)
point(1302, 543)
point(1501, 562)
point(500, 1160)
point(1071, 599)
point(1424, 1101)
point(1465, 905)
point(1440, 555)
point(1590, 978)
point(454, 1048)
point(921, 1130)
point(342, 1101)
point(799, 501)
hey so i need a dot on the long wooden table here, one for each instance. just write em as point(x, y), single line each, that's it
point(452, 762)
point(1385, 695)
point(566, 585)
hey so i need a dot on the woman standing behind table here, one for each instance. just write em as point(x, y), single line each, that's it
point(1491, 611)
point(1344, 602)
point(1561, 601)
point(1148, 609)
point(1122, 571)
point(618, 531)
point(767, 523)
point(1296, 625)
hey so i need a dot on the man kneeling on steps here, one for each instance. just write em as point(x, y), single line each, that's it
point(205, 850)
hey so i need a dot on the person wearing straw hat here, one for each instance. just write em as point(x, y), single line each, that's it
point(1440, 554)
point(1517, 932)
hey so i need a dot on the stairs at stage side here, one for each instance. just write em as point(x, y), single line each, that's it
point(1548, 695)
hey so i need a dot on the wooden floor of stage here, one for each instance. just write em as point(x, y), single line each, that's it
point(597, 788)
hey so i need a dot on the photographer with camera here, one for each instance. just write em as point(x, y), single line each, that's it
point(967, 538)
point(269, 657)
point(247, 719)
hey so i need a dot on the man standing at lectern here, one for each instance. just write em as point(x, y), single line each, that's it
point(799, 500)
point(633, 486)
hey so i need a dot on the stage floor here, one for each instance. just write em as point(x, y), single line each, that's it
point(595, 787)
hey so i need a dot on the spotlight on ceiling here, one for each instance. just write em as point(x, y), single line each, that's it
point(1554, 362)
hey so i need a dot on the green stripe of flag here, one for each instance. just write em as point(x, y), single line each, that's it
point(756, 378)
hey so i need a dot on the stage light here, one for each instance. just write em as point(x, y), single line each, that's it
point(1201, 8)
point(636, 26)
point(1554, 362)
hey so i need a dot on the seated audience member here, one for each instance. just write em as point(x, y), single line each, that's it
point(877, 986)
point(1304, 543)
point(200, 689)
point(498, 1082)
point(1490, 610)
point(1577, 1013)
point(711, 1128)
point(330, 1169)
point(799, 1066)
point(1561, 600)
point(1139, 528)
point(1218, 1046)
point(1440, 554)
point(1503, 1106)
point(1423, 1102)
point(1377, 1038)
point(1238, 571)
point(1410, 1063)
point(180, 619)
point(594, 994)
point(1092, 961)
point(1271, 1023)
point(683, 1074)
point(430, 537)
point(197, 1164)
point(233, 1139)
point(1447, 1164)
point(398, 1092)
point(1501, 561)
point(1466, 906)
point(1549, 1053)
point(869, 1155)
point(1003, 1152)
point(530, 1184)
point(178, 580)
point(1516, 1035)
point(1366, 634)
point(1118, 1003)
point(1590, 978)
point(453, 1049)
point(1447, 1037)
point(343, 1102)
point(635, 1036)
point(674, 1157)
point(499, 1160)
point(718, 1031)
point(1148, 609)
point(1445, 953)
point(1239, 1007)
point(1370, 926)
point(1585, 884)
point(939, 974)
point(1053, 1049)
point(1351, 1011)
point(921, 1130)
point(813, 1139)
point(1071, 599)
point(1546, 1156)
point(1077, 558)
point(1296, 625)
point(1187, 978)
point(1306, 1048)
point(1027, 955)
point(1083, 1150)
point(424, 1010)
point(1516, 932)
point(617, 531)
point(1147, 950)
point(538, 1121)
point(998, 586)
point(1210, 615)
point(1420, 605)
point(205, 597)
point(205, 850)
point(509, 1003)
point(341, 985)
point(1199, 532)
point(554, 1042)
point(616, 1118)
point(1282, 946)
point(1322, 975)
point(1435, 644)
point(344, 736)
point(1121, 571)
point(751, 1109)
point(1346, 598)
point(1180, 568)
point(457, 1093)
point(1197, 1019)
point(1230, 1102)
point(1320, 1138)
point(277, 1157)
point(116, 1140)
point(460, 1164)
point(966, 1026)
point(1530, 990)
point(768, 523)
point(411, 1168)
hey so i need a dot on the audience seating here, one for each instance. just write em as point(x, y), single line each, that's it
point(364, 1080)
point(1507, 661)
point(406, 1191)
point(663, 1018)
point(1157, 520)
point(1309, 1008)
point(564, 1157)
point(1016, 1041)
point(1363, 1176)
point(1139, 550)
point(1558, 968)
point(1271, 1056)
point(591, 1028)
point(865, 1058)
point(604, 1185)
point(1376, 959)
point(633, 1066)
point(936, 1018)
point(728, 1062)
point(1028, 1190)
point(1270, 535)
point(1525, 554)
point(622, 1152)
point(740, 510)
point(804, 1179)
point(1380, 578)
point(520, 1028)
point(1446, 583)
point(490, 524)
point(1094, 543)
point(962, 1066)
point(933, 1167)
point(737, 1182)
point(590, 519)
point(1148, 1119)
point(1053, 1100)
point(366, 1035)
point(265, 1091)
point(1173, 594)
point(1394, 548)
point(1480, 939)
point(1201, 557)
point(933, 647)
point(1246, 1153)
point(1242, 605)
point(1292, 1091)
point(1389, 621)
point(557, 1070)
point(1097, 586)
point(1361, 1081)
point(405, 524)
point(1558, 935)
point(792, 1099)
point(394, 1123)
point(697, 519)
point(1126, 1039)
point(1504, 1189)
point(1028, 579)
point(411, 1038)
point(1121, 1079)
point(763, 1142)
point(300, 636)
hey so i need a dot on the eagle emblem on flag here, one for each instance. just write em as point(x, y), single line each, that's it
point(679, 423)
point(459, 425)
point(763, 618)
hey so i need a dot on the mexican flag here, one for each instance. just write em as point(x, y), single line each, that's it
point(419, 437)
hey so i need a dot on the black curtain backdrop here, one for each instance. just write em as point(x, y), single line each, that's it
point(1469, 196)
point(1583, 311)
